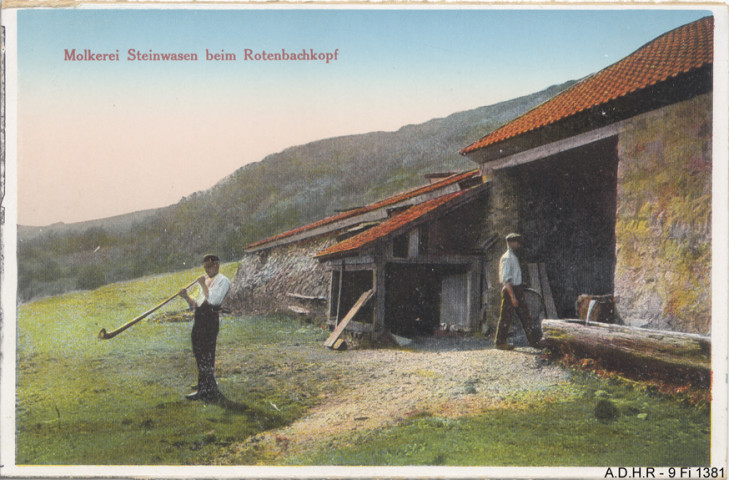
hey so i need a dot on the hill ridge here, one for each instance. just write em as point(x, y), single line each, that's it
point(283, 190)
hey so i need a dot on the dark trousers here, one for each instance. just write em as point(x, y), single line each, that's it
point(204, 337)
point(507, 315)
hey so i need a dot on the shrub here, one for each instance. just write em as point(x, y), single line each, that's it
point(90, 277)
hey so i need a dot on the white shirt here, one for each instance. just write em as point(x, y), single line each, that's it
point(509, 269)
point(217, 290)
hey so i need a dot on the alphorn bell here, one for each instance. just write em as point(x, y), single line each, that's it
point(103, 335)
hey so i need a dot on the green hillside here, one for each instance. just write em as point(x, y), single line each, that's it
point(284, 190)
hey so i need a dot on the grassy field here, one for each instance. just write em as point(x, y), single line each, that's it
point(85, 401)
point(81, 400)
point(562, 431)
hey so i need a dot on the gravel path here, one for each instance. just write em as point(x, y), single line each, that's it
point(448, 377)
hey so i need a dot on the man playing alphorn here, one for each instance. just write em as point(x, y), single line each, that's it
point(213, 288)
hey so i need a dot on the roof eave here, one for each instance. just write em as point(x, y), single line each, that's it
point(673, 90)
point(336, 223)
point(438, 212)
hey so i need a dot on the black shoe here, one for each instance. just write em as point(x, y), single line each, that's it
point(193, 396)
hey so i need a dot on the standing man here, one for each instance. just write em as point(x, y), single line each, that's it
point(512, 296)
point(213, 288)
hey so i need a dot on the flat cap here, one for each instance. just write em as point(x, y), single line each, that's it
point(513, 236)
point(210, 258)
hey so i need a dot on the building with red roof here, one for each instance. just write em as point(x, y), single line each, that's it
point(610, 183)
point(286, 273)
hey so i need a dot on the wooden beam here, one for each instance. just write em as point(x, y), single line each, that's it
point(348, 318)
point(474, 294)
point(547, 293)
point(299, 310)
point(380, 293)
point(330, 303)
point(670, 356)
point(311, 298)
point(364, 262)
point(553, 148)
point(448, 259)
point(534, 282)
point(339, 294)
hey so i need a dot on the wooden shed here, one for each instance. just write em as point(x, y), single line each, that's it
point(281, 273)
point(422, 266)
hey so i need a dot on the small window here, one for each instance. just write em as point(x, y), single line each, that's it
point(400, 246)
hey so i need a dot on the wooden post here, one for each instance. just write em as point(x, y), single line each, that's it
point(474, 295)
point(330, 300)
point(534, 282)
point(379, 323)
point(547, 293)
point(339, 295)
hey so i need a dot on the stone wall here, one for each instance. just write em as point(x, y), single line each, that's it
point(660, 269)
point(265, 280)
point(663, 226)
point(502, 217)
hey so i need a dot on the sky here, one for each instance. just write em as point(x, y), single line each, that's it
point(102, 138)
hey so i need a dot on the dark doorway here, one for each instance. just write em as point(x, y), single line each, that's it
point(414, 301)
point(567, 208)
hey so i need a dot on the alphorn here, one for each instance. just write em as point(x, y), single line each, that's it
point(103, 335)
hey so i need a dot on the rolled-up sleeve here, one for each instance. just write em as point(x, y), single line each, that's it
point(218, 290)
point(509, 269)
point(506, 271)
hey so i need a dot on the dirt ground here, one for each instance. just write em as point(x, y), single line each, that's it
point(447, 377)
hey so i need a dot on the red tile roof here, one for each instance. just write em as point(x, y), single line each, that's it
point(412, 193)
point(387, 227)
point(679, 51)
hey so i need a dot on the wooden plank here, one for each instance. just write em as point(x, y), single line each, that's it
point(299, 310)
point(339, 293)
point(673, 356)
point(330, 297)
point(354, 264)
point(379, 280)
point(448, 259)
point(312, 298)
point(547, 293)
point(348, 318)
point(534, 282)
point(454, 300)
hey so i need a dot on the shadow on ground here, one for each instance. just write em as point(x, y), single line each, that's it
point(264, 418)
point(454, 341)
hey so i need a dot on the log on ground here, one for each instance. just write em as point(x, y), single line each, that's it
point(673, 357)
